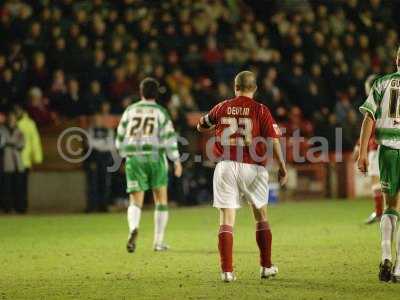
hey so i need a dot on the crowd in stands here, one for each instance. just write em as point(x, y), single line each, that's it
point(68, 57)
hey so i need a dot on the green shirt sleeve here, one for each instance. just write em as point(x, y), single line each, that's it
point(371, 104)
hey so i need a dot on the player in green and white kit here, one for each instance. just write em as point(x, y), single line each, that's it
point(382, 107)
point(146, 137)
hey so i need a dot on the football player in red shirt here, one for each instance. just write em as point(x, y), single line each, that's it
point(244, 132)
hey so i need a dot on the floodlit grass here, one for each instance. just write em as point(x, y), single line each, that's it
point(322, 249)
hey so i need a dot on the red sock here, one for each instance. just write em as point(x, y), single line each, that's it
point(264, 242)
point(378, 198)
point(225, 246)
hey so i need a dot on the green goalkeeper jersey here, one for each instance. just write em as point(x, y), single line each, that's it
point(384, 107)
point(146, 128)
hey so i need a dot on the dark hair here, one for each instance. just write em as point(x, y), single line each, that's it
point(149, 88)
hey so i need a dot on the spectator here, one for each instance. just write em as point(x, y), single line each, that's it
point(3, 62)
point(101, 141)
point(164, 90)
point(342, 108)
point(35, 39)
point(99, 70)
point(38, 74)
point(85, 55)
point(8, 87)
point(93, 98)
point(131, 67)
point(296, 128)
point(178, 80)
point(12, 145)
point(120, 86)
point(38, 107)
point(58, 85)
point(192, 60)
point(108, 120)
point(32, 152)
point(212, 55)
point(224, 92)
point(350, 130)
point(59, 57)
point(270, 93)
point(73, 104)
point(313, 51)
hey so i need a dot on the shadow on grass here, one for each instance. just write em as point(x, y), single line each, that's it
point(207, 251)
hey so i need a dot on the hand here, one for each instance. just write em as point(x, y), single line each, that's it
point(282, 176)
point(362, 163)
point(203, 129)
point(178, 168)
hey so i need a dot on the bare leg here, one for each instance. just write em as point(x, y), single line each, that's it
point(378, 196)
point(160, 195)
point(260, 214)
point(227, 216)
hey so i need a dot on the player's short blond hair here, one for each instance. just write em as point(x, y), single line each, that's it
point(245, 81)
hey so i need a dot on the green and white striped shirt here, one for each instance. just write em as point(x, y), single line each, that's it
point(383, 106)
point(146, 128)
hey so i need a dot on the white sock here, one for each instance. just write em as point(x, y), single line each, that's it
point(133, 216)
point(160, 223)
point(397, 268)
point(388, 226)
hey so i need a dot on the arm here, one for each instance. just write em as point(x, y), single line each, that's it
point(278, 157)
point(178, 170)
point(36, 145)
point(204, 125)
point(209, 120)
point(356, 152)
point(121, 132)
point(366, 131)
point(368, 108)
point(271, 131)
point(168, 138)
point(18, 141)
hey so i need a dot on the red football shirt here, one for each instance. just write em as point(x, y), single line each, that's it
point(242, 129)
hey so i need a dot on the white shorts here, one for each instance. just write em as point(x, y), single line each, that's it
point(234, 181)
point(373, 160)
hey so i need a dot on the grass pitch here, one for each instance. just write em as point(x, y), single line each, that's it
point(322, 249)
